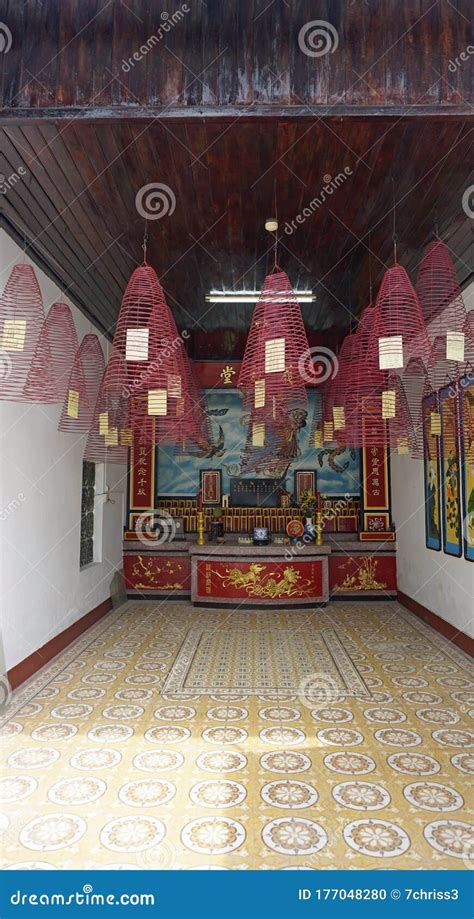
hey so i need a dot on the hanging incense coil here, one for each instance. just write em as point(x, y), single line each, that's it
point(270, 378)
point(136, 332)
point(441, 371)
point(415, 385)
point(400, 425)
point(85, 378)
point(366, 382)
point(111, 420)
point(21, 321)
point(399, 326)
point(439, 292)
point(152, 369)
point(54, 355)
point(468, 329)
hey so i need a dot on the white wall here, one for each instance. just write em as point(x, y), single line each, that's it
point(42, 589)
point(441, 583)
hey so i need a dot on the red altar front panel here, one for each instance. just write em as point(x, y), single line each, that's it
point(150, 573)
point(264, 581)
point(359, 574)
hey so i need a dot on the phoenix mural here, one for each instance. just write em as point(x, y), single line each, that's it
point(337, 470)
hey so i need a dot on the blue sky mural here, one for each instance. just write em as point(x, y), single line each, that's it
point(179, 475)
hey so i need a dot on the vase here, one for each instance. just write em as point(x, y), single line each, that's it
point(309, 527)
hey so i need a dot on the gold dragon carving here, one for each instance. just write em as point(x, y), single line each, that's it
point(266, 586)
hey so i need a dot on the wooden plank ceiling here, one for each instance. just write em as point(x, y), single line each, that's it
point(234, 53)
point(76, 208)
point(227, 110)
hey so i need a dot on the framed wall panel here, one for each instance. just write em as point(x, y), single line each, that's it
point(305, 480)
point(466, 430)
point(432, 477)
point(211, 487)
point(450, 471)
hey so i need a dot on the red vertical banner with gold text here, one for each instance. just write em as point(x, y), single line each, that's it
point(375, 493)
point(142, 477)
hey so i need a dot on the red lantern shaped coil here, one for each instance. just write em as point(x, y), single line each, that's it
point(54, 355)
point(270, 376)
point(21, 321)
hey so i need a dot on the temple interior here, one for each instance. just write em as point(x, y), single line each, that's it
point(237, 435)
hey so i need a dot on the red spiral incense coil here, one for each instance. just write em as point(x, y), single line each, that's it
point(367, 382)
point(415, 386)
point(21, 321)
point(270, 376)
point(54, 355)
point(87, 371)
point(441, 371)
point(111, 432)
point(439, 291)
point(137, 329)
point(153, 370)
point(398, 318)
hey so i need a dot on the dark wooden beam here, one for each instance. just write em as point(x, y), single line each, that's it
point(228, 113)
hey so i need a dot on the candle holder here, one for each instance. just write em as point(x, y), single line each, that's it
point(319, 528)
point(200, 528)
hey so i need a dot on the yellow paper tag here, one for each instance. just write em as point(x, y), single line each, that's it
point(14, 333)
point(318, 439)
point(259, 394)
point(339, 417)
point(328, 431)
point(126, 438)
point(390, 352)
point(73, 403)
point(104, 423)
point(174, 386)
point(111, 438)
point(157, 402)
point(258, 435)
point(275, 355)
point(455, 346)
point(388, 403)
point(136, 345)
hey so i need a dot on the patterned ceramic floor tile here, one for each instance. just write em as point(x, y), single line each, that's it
point(172, 737)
